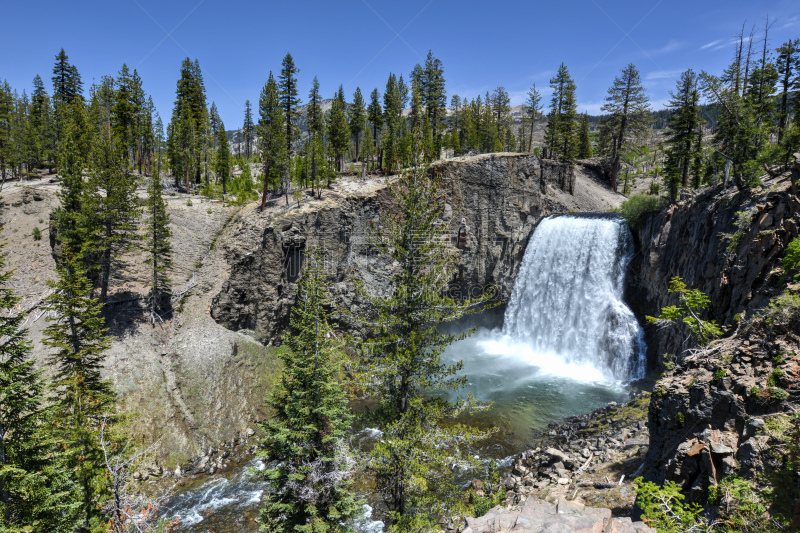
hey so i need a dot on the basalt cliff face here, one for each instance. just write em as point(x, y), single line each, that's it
point(493, 203)
point(708, 412)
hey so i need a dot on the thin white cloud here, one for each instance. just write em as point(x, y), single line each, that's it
point(671, 46)
point(711, 44)
point(663, 75)
point(790, 22)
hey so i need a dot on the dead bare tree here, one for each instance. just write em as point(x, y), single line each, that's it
point(128, 510)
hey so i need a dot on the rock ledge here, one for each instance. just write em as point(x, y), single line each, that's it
point(538, 516)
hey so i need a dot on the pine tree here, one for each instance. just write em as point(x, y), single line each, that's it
point(584, 143)
point(287, 86)
point(533, 112)
point(23, 452)
point(214, 121)
point(6, 110)
point(561, 138)
point(412, 460)
point(744, 97)
point(247, 129)
point(338, 129)
point(375, 117)
point(72, 156)
point(81, 398)
point(189, 121)
point(140, 117)
point(358, 118)
point(110, 210)
point(683, 142)
point(124, 111)
point(42, 122)
point(158, 247)
point(501, 108)
point(630, 105)
point(368, 151)
point(434, 98)
point(455, 124)
point(67, 84)
point(307, 435)
point(788, 65)
point(270, 136)
point(390, 135)
point(101, 104)
point(223, 161)
point(314, 125)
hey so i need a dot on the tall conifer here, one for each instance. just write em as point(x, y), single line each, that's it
point(629, 104)
point(358, 118)
point(81, 399)
point(561, 137)
point(287, 89)
point(270, 136)
point(307, 435)
point(110, 211)
point(412, 461)
point(23, 452)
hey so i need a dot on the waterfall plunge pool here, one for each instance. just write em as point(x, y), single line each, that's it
point(568, 344)
point(528, 389)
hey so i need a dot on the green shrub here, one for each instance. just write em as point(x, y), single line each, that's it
point(664, 510)
point(37, 234)
point(778, 394)
point(681, 418)
point(792, 259)
point(691, 303)
point(744, 219)
point(783, 310)
point(775, 377)
point(635, 208)
point(749, 173)
point(189, 202)
point(719, 374)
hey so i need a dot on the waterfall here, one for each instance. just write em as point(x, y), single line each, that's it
point(567, 300)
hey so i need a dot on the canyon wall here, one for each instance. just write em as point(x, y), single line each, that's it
point(493, 202)
point(708, 410)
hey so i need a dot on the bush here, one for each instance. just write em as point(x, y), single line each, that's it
point(792, 259)
point(663, 507)
point(782, 311)
point(691, 303)
point(37, 234)
point(635, 208)
point(189, 202)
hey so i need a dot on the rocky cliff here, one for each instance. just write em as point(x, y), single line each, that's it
point(726, 243)
point(493, 203)
point(709, 412)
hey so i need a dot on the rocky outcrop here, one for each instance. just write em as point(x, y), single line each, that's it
point(708, 415)
point(538, 516)
point(726, 243)
point(708, 411)
point(493, 201)
point(572, 457)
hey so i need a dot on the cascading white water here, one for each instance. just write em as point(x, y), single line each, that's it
point(567, 300)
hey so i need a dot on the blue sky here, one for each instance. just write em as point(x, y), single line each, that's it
point(358, 42)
